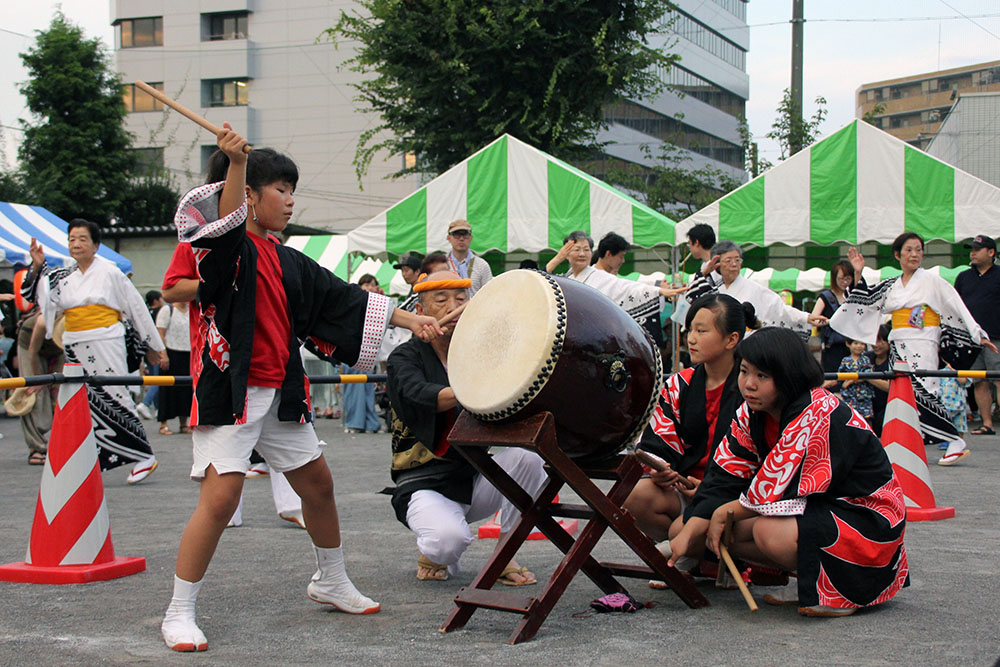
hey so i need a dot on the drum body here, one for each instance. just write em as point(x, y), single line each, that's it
point(531, 342)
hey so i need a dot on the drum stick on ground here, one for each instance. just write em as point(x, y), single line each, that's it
point(452, 315)
point(183, 110)
point(727, 535)
point(659, 465)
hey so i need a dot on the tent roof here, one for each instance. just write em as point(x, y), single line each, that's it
point(516, 198)
point(858, 184)
point(800, 280)
point(20, 222)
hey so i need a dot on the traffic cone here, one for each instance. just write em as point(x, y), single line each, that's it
point(491, 529)
point(71, 534)
point(904, 444)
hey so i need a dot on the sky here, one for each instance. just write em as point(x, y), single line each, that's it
point(846, 43)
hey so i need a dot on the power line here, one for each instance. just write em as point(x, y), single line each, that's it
point(970, 19)
point(895, 19)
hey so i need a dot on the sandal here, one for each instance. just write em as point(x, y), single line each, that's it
point(983, 430)
point(36, 459)
point(436, 569)
point(509, 570)
point(186, 429)
point(165, 430)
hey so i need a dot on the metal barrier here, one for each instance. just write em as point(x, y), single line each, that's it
point(889, 375)
point(163, 380)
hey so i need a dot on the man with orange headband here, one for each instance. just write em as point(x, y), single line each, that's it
point(438, 493)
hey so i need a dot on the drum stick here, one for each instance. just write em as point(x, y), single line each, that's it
point(182, 110)
point(727, 535)
point(452, 315)
point(659, 465)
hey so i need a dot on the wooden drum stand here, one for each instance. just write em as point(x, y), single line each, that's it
point(473, 439)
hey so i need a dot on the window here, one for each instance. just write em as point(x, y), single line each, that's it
point(737, 8)
point(227, 25)
point(228, 93)
point(674, 131)
point(700, 34)
point(691, 84)
point(138, 100)
point(136, 33)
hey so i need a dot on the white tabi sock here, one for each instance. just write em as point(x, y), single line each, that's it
point(955, 447)
point(331, 585)
point(180, 632)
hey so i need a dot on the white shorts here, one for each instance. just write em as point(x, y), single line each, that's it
point(284, 445)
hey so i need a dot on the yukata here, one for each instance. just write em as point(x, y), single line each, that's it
point(828, 470)
point(95, 303)
point(769, 308)
point(642, 302)
point(928, 316)
point(860, 394)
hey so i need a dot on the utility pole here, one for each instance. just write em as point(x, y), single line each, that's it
point(798, 22)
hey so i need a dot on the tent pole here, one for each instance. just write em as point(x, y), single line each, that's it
point(675, 343)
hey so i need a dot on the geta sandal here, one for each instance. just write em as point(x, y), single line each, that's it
point(165, 430)
point(509, 570)
point(36, 459)
point(436, 569)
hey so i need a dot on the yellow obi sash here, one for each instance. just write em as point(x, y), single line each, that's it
point(84, 318)
point(901, 319)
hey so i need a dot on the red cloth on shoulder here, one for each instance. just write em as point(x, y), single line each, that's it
point(272, 328)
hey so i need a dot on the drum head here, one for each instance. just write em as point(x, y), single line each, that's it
point(502, 350)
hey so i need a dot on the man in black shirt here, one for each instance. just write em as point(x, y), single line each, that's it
point(979, 288)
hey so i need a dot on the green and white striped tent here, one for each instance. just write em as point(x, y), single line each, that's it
point(798, 280)
point(330, 252)
point(858, 184)
point(516, 198)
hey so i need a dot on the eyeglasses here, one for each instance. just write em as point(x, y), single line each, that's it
point(731, 261)
point(460, 233)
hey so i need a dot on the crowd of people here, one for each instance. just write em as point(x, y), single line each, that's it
point(749, 428)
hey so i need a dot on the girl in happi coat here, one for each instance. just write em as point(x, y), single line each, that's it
point(810, 486)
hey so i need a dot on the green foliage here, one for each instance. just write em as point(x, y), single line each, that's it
point(446, 77)
point(871, 116)
point(150, 199)
point(791, 129)
point(74, 158)
point(671, 187)
point(12, 188)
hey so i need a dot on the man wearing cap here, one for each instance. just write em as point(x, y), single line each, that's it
point(463, 261)
point(437, 491)
point(409, 268)
point(979, 288)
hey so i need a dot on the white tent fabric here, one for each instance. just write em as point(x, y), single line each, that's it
point(19, 223)
point(858, 184)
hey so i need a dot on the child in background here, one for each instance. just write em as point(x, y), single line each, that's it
point(857, 393)
point(953, 398)
point(879, 357)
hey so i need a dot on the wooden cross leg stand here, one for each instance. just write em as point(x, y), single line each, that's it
point(472, 439)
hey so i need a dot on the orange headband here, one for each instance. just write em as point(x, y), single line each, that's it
point(428, 285)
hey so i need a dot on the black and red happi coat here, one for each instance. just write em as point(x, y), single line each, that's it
point(829, 471)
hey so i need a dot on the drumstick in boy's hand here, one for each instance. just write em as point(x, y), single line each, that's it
point(659, 465)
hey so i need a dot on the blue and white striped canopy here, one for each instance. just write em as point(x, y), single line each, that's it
point(20, 222)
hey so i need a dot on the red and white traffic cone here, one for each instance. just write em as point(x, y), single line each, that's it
point(491, 529)
point(71, 534)
point(904, 444)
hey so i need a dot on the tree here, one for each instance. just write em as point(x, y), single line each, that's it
point(74, 158)
point(150, 199)
point(791, 128)
point(447, 77)
point(671, 187)
point(872, 115)
point(12, 188)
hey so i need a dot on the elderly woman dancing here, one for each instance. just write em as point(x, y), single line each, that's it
point(928, 316)
point(96, 297)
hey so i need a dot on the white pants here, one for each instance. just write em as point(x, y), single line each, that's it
point(285, 498)
point(442, 525)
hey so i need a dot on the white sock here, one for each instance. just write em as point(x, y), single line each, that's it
point(955, 447)
point(143, 464)
point(330, 566)
point(237, 518)
point(179, 625)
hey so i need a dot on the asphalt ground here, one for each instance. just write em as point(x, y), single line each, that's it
point(254, 610)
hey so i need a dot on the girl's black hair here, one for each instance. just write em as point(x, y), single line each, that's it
point(883, 332)
point(92, 228)
point(264, 166)
point(782, 354)
point(731, 316)
point(897, 245)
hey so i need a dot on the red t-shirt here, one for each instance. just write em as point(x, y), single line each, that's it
point(713, 402)
point(772, 430)
point(271, 327)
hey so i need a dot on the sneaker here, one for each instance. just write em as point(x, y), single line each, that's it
point(144, 411)
point(142, 470)
point(350, 602)
point(258, 470)
point(295, 517)
point(823, 611)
